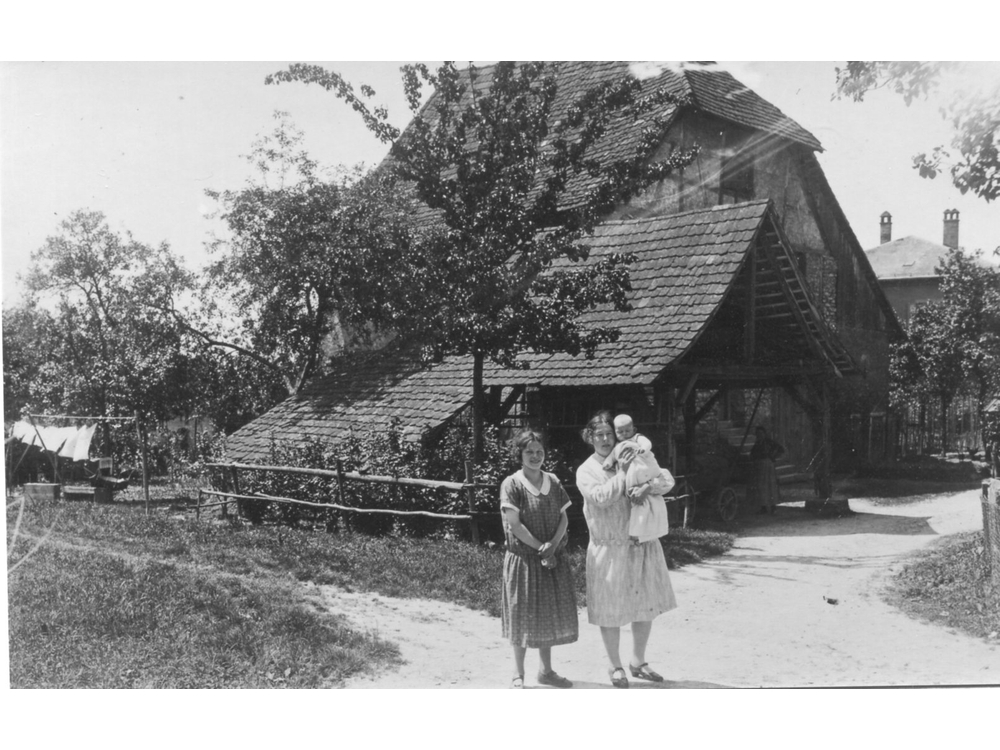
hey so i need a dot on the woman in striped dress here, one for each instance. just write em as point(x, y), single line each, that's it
point(538, 603)
point(626, 583)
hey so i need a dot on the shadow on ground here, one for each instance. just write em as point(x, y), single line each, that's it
point(795, 521)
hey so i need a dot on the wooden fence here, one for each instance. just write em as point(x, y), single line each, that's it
point(231, 470)
point(991, 533)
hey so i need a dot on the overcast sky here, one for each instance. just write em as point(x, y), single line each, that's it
point(142, 141)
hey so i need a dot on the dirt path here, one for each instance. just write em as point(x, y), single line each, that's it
point(754, 617)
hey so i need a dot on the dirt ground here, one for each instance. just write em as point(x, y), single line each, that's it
point(760, 616)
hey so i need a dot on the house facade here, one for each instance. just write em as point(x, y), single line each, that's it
point(753, 303)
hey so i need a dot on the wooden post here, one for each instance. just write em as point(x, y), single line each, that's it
point(470, 492)
point(340, 482)
point(197, 508)
point(236, 491)
point(141, 435)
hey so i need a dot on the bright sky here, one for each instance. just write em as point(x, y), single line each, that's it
point(142, 141)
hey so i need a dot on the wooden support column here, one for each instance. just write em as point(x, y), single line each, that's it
point(825, 501)
point(750, 325)
point(667, 400)
point(690, 422)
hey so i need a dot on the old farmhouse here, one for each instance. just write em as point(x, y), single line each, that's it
point(753, 303)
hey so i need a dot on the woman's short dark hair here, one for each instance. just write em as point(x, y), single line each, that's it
point(602, 417)
point(522, 438)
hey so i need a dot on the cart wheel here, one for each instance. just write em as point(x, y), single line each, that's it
point(728, 504)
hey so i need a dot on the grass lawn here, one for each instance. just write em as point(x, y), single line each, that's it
point(115, 598)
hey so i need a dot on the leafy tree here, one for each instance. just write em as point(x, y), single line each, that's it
point(972, 159)
point(308, 266)
point(103, 350)
point(27, 333)
point(971, 290)
point(514, 191)
point(953, 345)
point(939, 353)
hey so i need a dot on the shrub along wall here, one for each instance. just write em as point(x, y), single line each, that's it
point(386, 453)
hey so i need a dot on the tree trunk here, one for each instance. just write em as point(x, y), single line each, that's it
point(945, 404)
point(478, 407)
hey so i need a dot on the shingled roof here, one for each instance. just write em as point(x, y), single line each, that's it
point(687, 265)
point(706, 87)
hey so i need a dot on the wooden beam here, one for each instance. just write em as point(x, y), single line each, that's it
point(750, 323)
point(515, 393)
point(699, 415)
point(686, 390)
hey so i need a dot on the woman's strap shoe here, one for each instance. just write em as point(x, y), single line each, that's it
point(618, 682)
point(553, 680)
point(643, 672)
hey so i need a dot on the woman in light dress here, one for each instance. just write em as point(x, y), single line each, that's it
point(626, 583)
point(538, 602)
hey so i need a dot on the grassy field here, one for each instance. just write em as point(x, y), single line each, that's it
point(115, 598)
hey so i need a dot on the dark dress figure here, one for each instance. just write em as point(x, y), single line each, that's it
point(764, 477)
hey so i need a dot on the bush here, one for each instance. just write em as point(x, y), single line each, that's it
point(439, 456)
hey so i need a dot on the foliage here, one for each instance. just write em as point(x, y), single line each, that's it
point(500, 271)
point(309, 264)
point(973, 159)
point(950, 585)
point(385, 452)
point(101, 350)
point(954, 343)
point(971, 290)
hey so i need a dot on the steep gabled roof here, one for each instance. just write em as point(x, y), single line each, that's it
point(692, 270)
point(906, 258)
point(707, 87)
point(686, 265)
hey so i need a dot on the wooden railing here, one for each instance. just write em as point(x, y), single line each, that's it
point(468, 487)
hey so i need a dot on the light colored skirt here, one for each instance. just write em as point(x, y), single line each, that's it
point(626, 583)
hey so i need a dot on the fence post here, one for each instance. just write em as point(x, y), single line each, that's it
point(470, 492)
point(340, 482)
point(236, 491)
point(991, 533)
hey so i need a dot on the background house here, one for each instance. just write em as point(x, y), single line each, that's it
point(754, 303)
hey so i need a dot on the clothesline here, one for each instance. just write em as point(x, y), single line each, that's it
point(81, 417)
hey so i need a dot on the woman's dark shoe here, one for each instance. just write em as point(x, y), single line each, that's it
point(553, 680)
point(643, 672)
point(618, 682)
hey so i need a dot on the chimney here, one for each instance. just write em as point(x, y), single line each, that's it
point(886, 226)
point(951, 228)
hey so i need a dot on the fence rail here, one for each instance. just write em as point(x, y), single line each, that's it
point(468, 487)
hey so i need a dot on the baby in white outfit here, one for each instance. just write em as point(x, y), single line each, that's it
point(641, 471)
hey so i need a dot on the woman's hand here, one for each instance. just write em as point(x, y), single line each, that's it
point(661, 485)
point(546, 550)
point(626, 457)
point(637, 495)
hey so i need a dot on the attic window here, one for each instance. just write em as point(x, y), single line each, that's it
point(736, 180)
